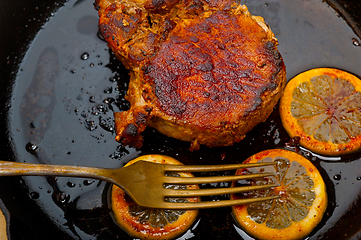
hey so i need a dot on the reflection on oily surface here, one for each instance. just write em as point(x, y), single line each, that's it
point(90, 85)
point(39, 99)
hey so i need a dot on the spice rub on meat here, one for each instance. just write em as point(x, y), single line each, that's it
point(203, 71)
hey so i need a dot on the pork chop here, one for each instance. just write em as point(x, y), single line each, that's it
point(203, 71)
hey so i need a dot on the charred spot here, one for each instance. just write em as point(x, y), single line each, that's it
point(256, 103)
point(221, 46)
point(178, 39)
point(234, 65)
point(146, 96)
point(216, 19)
point(148, 109)
point(141, 118)
point(205, 67)
point(208, 76)
point(131, 130)
point(160, 6)
point(150, 39)
point(195, 7)
point(238, 88)
point(262, 65)
point(222, 4)
point(169, 25)
point(215, 98)
point(178, 110)
point(204, 57)
point(279, 67)
point(272, 86)
point(193, 39)
point(149, 21)
point(103, 31)
point(270, 45)
point(246, 74)
point(277, 54)
point(206, 27)
point(146, 69)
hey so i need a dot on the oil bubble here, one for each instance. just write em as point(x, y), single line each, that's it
point(90, 125)
point(84, 56)
point(100, 36)
point(31, 148)
point(88, 182)
point(92, 99)
point(84, 114)
point(337, 177)
point(60, 198)
point(34, 195)
point(107, 124)
point(356, 42)
point(108, 90)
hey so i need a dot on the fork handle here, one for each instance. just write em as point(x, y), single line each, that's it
point(29, 169)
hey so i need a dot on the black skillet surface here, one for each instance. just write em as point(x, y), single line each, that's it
point(60, 86)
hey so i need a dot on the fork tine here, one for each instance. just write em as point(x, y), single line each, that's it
point(214, 204)
point(214, 191)
point(203, 180)
point(213, 168)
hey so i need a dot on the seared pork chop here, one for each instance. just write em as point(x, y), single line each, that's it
point(204, 71)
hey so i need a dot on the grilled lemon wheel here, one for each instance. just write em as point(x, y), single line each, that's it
point(302, 197)
point(146, 223)
point(323, 107)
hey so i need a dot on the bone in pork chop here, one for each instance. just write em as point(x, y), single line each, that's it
point(204, 71)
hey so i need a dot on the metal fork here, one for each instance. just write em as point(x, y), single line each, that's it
point(144, 181)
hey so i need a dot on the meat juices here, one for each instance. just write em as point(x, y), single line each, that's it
point(201, 71)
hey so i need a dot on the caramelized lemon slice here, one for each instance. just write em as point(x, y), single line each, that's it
point(323, 107)
point(302, 197)
point(146, 223)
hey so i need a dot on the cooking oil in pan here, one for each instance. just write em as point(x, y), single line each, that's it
point(70, 84)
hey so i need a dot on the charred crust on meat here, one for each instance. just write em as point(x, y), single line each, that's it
point(228, 78)
point(131, 140)
point(204, 71)
point(141, 118)
point(131, 130)
point(166, 28)
point(160, 6)
point(195, 7)
point(148, 109)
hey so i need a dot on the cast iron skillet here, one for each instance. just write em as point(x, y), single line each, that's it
point(50, 208)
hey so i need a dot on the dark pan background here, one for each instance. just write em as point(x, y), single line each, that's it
point(20, 22)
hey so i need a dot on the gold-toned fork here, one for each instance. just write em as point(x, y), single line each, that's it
point(145, 181)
